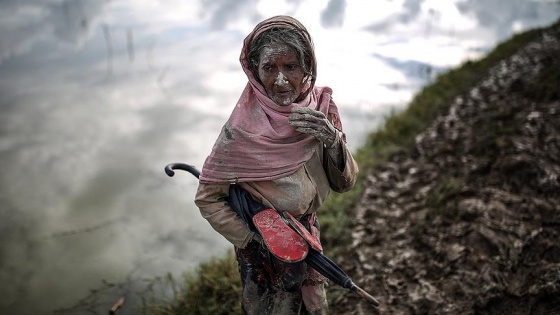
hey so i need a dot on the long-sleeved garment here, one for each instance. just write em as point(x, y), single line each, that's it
point(302, 192)
point(274, 149)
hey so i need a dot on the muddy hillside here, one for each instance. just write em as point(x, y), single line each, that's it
point(467, 219)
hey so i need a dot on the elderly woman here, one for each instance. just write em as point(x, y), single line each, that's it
point(283, 143)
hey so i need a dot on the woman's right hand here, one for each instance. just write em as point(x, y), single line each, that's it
point(315, 123)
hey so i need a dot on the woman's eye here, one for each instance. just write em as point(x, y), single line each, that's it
point(267, 68)
point(292, 66)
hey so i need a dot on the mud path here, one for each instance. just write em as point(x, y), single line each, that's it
point(467, 221)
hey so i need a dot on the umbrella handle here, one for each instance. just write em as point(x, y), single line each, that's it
point(365, 295)
point(181, 166)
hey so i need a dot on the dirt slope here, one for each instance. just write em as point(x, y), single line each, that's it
point(467, 220)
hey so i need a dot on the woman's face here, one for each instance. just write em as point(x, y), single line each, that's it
point(281, 74)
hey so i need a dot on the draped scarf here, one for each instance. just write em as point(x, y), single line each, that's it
point(257, 143)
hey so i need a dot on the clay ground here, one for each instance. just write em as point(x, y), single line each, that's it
point(467, 219)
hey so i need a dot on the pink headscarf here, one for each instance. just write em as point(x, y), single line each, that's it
point(257, 143)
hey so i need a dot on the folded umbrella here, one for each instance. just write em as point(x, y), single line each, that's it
point(246, 207)
point(280, 239)
point(333, 272)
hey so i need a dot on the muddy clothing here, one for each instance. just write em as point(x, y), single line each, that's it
point(276, 153)
point(271, 286)
point(301, 193)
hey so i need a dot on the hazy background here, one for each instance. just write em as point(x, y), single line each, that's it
point(96, 97)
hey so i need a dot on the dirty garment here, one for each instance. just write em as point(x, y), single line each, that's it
point(302, 192)
point(282, 168)
point(272, 286)
point(257, 142)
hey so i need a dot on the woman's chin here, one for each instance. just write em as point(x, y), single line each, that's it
point(283, 100)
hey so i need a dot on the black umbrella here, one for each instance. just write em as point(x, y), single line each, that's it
point(239, 199)
point(242, 203)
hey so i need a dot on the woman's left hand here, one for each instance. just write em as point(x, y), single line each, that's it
point(315, 123)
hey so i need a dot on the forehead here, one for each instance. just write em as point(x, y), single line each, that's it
point(272, 52)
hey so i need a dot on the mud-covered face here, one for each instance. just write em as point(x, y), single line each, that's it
point(281, 74)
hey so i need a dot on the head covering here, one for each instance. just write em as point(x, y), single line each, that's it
point(280, 21)
point(257, 142)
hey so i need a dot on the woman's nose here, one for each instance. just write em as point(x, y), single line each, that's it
point(281, 79)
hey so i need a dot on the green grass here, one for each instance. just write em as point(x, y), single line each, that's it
point(215, 287)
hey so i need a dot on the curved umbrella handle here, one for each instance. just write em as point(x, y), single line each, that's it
point(181, 166)
point(365, 295)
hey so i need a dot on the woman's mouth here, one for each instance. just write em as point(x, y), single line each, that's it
point(284, 93)
point(283, 97)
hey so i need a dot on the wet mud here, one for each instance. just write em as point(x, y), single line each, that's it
point(467, 219)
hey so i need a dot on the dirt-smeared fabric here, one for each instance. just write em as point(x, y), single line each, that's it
point(257, 142)
point(283, 168)
point(302, 192)
point(272, 286)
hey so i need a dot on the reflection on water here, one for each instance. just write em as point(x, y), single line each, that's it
point(97, 96)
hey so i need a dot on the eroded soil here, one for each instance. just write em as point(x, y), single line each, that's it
point(467, 220)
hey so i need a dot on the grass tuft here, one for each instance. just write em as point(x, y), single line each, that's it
point(214, 288)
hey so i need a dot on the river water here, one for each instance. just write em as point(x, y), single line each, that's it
point(97, 97)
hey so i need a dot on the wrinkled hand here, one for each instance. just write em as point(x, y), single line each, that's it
point(315, 123)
